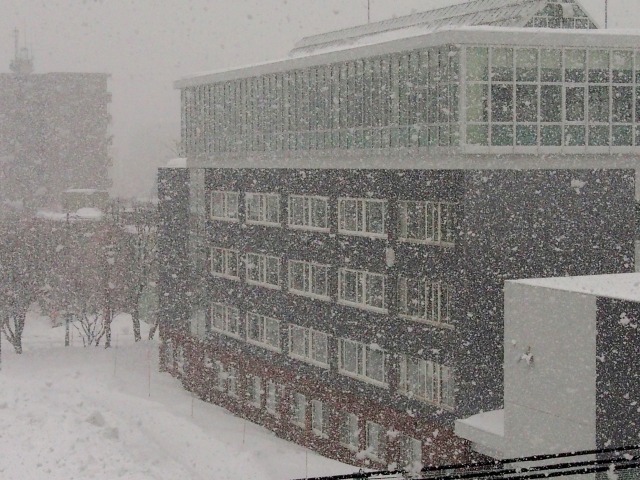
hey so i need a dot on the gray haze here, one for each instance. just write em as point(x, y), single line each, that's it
point(147, 44)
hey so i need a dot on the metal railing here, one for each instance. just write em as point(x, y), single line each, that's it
point(614, 463)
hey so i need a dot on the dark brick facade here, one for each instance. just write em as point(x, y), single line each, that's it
point(511, 224)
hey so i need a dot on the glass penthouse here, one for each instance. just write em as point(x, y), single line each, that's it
point(335, 251)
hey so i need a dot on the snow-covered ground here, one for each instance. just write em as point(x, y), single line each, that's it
point(76, 413)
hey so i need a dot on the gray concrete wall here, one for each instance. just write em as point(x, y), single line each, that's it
point(550, 370)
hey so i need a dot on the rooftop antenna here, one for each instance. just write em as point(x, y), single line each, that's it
point(22, 63)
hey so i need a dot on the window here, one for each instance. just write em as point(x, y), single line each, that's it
point(254, 390)
point(319, 418)
point(427, 381)
point(263, 270)
point(364, 289)
point(232, 381)
point(263, 208)
point(224, 262)
point(358, 216)
point(365, 362)
point(424, 300)
point(376, 441)
point(198, 323)
point(224, 205)
point(310, 279)
point(410, 453)
point(309, 345)
point(272, 400)
point(308, 212)
point(225, 319)
point(299, 410)
point(220, 376)
point(263, 331)
point(349, 430)
point(429, 222)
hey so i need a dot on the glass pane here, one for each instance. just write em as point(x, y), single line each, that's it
point(477, 135)
point(526, 65)
point(253, 208)
point(598, 66)
point(622, 66)
point(622, 105)
point(502, 103)
point(622, 136)
point(551, 103)
point(273, 332)
point(319, 347)
point(599, 104)
point(319, 280)
point(574, 135)
point(575, 61)
point(478, 63)
point(350, 356)
point(477, 106)
point(297, 341)
point(349, 286)
point(413, 218)
point(375, 216)
point(318, 213)
point(526, 135)
point(375, 365)
point(599, 135)
point(296, 276)
point(502, 64)
point(575, 104)
point(502, 135)
point(551, 65)
point(375, 290)
point(273, 209)
point(349, 215)
point(526, 103)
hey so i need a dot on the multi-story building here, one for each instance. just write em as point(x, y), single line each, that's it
point(335, 251)
point(54, 133)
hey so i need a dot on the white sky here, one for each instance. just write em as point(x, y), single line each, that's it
point(147, 44)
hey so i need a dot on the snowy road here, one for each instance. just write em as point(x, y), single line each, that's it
point(80, 413)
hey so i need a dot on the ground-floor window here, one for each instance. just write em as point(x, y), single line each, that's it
point(320, 418)
point(254, 390)
point(376, 440)
point(349, 430)
point(410, 453)
point(299, 410)
point(273, 397)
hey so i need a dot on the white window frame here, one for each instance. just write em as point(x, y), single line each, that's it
point(410, 457)
point(227, 254)
point(435, 383)
point(363, 360)
point(362, 289)
point(350, 431)
point(231, 315)
point(232, 381)
point(437, 301)
point(229, 205)
point(299, 410)
point(362, 208)
point(265, 203)
point(310, 339)
point(198, 323)
point(309, 272)
point(272, 398)
point(262, 263)
point(221, 376)
point(265, 324)
point(375, 441)
point(320, 417)
point(307, 203)
point(254, 390)
point(438, 223)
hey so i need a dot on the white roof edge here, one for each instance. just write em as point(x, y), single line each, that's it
point(421, 38)
point(486, 432)
point(618, 286)
point(176, 163)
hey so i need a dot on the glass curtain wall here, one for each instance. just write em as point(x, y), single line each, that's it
point(406, 99)
point(545, 97)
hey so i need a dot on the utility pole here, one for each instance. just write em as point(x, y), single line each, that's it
point(606, 14)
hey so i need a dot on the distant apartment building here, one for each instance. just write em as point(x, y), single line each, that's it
point(335, 251)
point(54, 132)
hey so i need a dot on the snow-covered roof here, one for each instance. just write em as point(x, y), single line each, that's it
point(418, 37)
point(176, 163)
point(621, 286)
point(490, 422)
point(505, 13)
